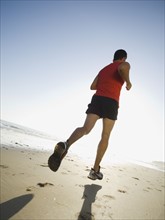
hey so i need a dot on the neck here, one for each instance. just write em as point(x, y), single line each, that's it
point(120, 60)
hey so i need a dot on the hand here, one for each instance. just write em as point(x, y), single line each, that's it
point(128, 86)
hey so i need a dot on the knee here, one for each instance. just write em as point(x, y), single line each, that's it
point(86, 130)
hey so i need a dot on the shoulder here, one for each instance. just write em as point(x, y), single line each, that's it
point(124, 65)
point(105, 67)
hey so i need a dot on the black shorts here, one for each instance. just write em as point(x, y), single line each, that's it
point(104, 107)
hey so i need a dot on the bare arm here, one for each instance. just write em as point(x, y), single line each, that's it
point(123, 70)
point(94, 84)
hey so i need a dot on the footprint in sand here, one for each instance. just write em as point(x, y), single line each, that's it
point(149, 188)
point(43, 165)
point(64, 173)
point(159, 190)
point(69, 159)
point(120, 170)
point(135, 178)
point(87, 169)
point(45, 184)
point(145, 190)
point(4, 166)
point(122, 191)
point(107, 180)
point(109, 196)
point(30, 188)
point(5, 148)
point(79, 185)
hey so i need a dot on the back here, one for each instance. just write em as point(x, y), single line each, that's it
point(110, 82)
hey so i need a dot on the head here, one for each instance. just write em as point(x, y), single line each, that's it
point(120, 55)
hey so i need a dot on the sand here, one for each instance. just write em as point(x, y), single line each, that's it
point(30, 190)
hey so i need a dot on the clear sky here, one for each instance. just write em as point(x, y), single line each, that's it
point(52, 50)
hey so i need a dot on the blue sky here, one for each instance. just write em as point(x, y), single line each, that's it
point(52, 50)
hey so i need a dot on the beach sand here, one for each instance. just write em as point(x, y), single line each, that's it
point(30, 190)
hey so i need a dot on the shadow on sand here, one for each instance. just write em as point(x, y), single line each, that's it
point(12, 206)
point(89, 196)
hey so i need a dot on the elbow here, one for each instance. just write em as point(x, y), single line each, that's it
point(92, 87)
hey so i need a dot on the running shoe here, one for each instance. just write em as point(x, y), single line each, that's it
point(55, 159)
point(93, 175)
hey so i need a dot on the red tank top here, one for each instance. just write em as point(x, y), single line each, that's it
point(109, 82)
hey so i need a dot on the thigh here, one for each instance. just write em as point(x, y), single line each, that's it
point(90, 121)
point(109, 108)
point(95, 106)
point(107, 126)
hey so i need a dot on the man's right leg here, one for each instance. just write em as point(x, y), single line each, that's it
point(81, 131)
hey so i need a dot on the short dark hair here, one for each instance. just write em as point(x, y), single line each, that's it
point(119, 54)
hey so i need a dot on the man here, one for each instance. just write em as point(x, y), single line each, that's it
point(104, 104)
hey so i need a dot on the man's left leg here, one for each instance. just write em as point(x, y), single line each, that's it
point(61, 148)
point(103, 144)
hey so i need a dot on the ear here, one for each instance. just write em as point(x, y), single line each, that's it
point(124, 59)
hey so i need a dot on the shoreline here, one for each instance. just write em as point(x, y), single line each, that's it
point(155, 165)
point(17, 136)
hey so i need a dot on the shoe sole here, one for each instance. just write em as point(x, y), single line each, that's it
point(97, 178)
point(55, 159)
